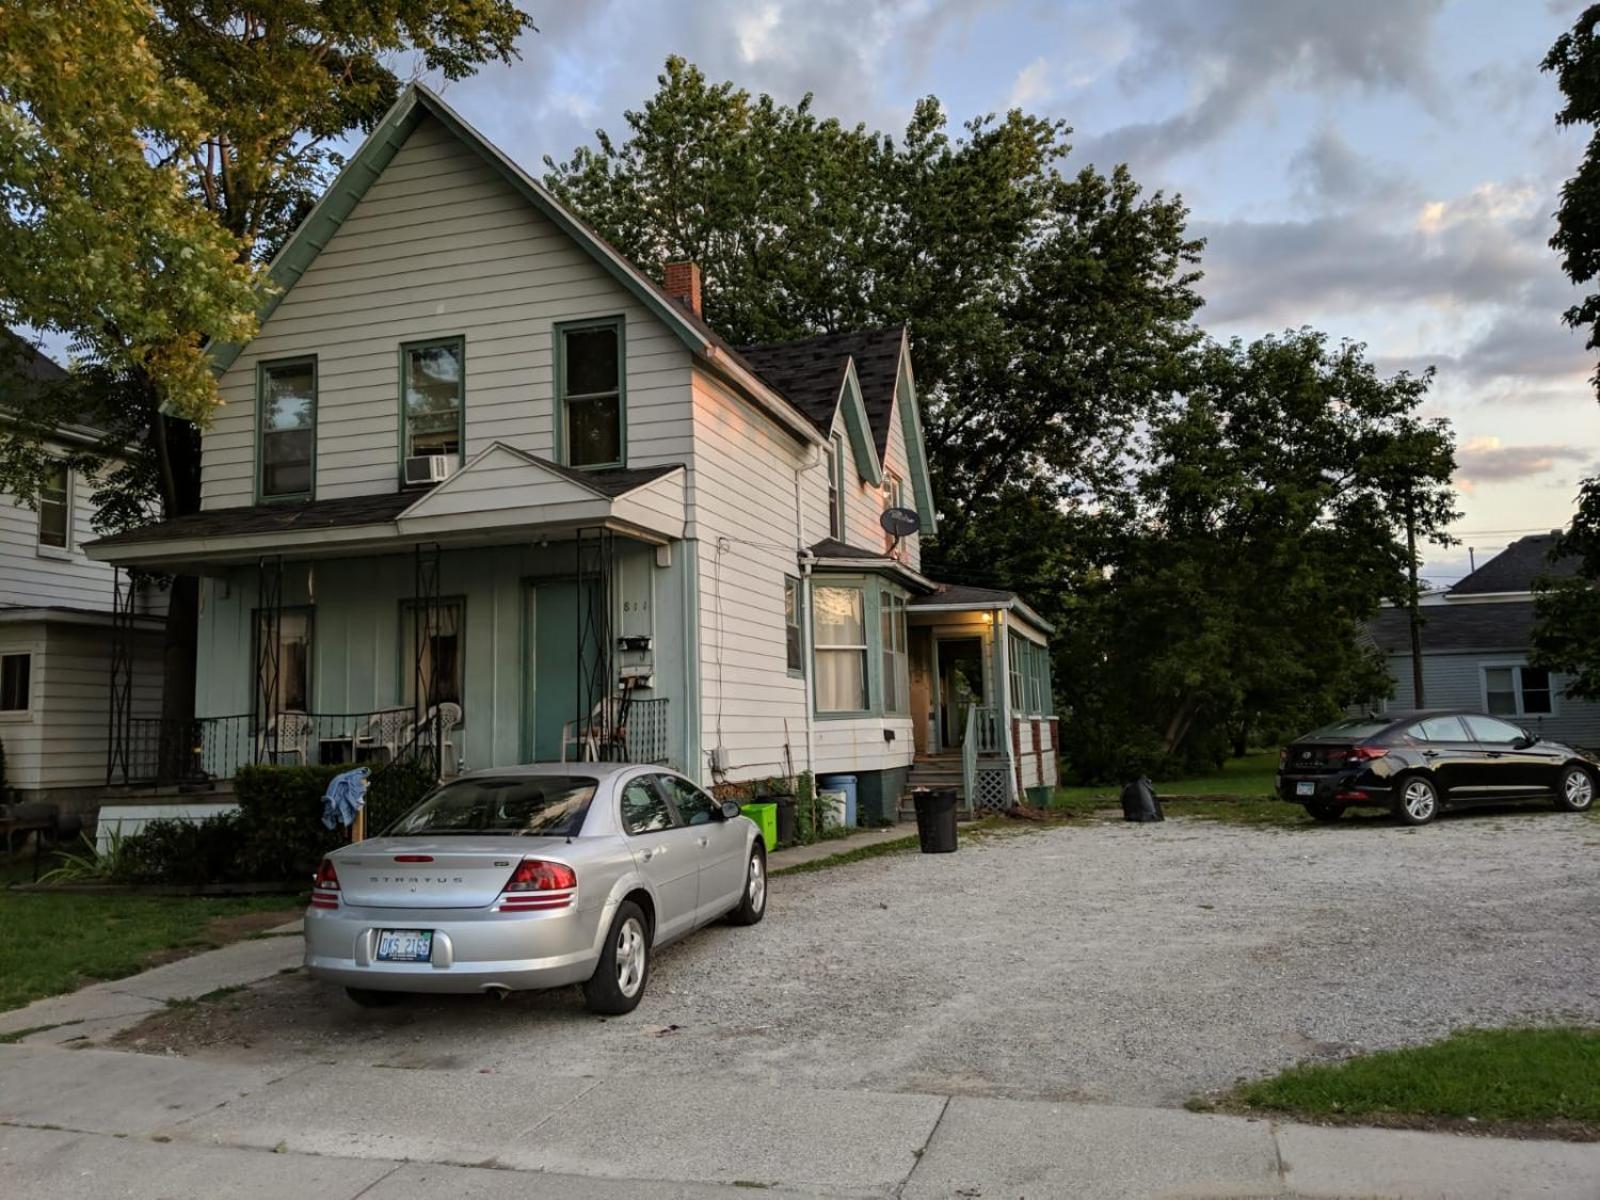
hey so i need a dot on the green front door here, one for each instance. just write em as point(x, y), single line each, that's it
point(554, 695)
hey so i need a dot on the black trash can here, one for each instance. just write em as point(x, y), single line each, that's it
point(787, 829)
point(936, 819)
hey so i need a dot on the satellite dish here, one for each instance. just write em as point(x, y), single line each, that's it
point(900, 522)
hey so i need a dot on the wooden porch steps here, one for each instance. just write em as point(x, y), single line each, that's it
point(931, 771)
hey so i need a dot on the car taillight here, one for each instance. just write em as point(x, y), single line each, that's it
point(1283, 758)
point(325, 887)
point(537, 884)
point(1361, 754)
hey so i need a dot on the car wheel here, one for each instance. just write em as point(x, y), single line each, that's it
point(372, 998)
point(753, 904)
point(1575, 793)
point(1419, 801)
point(1325, 813)
point(617, 985)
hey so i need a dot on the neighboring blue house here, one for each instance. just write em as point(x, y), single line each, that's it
point(1475, 648)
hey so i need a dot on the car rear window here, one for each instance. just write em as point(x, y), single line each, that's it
point(533, 806)
point(1357, 729)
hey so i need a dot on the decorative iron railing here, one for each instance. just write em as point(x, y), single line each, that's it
point(646, 740)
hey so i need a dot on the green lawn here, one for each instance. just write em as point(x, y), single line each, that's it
point(1488, 1074)
point(1241, 792)
point(58, 941)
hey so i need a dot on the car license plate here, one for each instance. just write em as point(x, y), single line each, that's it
point(1305, 787)
point(405, 945)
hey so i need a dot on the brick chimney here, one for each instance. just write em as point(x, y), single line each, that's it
point(683, 284)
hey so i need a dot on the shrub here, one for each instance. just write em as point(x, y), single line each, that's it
point(186, 852)
point(395, 789)
point(282, 834)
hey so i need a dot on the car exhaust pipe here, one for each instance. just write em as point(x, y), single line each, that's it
point(498, 990)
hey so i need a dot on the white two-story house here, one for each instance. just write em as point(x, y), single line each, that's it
point(479, 477)
point(59, 683)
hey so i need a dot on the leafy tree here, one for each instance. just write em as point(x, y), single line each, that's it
point(1266, 527)
point(1047, 310)
point(1566, 634)
point(238, 109)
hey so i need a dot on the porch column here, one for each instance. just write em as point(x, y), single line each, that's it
point(1002, 708)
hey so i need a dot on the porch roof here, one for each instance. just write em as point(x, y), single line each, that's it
point(960, 597)
point(833, 555)
point(502, 495)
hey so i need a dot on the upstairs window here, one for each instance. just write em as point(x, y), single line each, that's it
point(794, 660)
point(288, 429)
point(893, 497)
point(55, 509)
point(433, 383)
point(836, 488)
point(589, 393)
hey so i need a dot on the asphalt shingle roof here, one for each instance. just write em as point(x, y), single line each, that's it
point(810, 372)
point(960, 593)
point(1516, 568)
point(1489, 625)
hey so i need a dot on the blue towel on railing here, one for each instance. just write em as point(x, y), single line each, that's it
point(345, 797)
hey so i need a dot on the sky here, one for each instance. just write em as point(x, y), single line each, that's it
point(1382, 170)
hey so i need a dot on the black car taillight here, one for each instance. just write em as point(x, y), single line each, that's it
point(1361, 754)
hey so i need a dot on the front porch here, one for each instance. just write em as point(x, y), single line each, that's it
point(518, 612)
point(981, 697)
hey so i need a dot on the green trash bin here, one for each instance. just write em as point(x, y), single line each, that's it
point(766, 818)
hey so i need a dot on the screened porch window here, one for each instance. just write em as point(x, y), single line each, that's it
point(434, 376)
point(841, 649)
point(1014, 666)
point(1518, 691)
point(283, 673)
point(896, 671)
point(441, 657)
point(288, 428)
point(590, 387)
point(55, 509)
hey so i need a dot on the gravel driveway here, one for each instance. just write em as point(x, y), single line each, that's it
point(1095, 961)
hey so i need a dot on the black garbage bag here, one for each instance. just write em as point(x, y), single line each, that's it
point(1139, 802)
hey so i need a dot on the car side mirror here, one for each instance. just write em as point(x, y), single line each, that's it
point(1522, 743)
point(730, 810)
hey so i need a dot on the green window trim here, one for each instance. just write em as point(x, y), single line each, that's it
point(458, 340)
point(873, 589)
point(263, 369)
point(559, 332)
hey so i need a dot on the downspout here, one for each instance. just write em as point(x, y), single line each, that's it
point(807, 659)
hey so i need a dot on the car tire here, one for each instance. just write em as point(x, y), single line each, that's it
point(372, 998)
point(1324, 813)
point(619, 979)
point(1575, 792)
point(1418, 801)
point(753, 903)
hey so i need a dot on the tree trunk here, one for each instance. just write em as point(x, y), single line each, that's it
point(178, 443)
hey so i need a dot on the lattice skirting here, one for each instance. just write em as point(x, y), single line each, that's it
point(992, 788)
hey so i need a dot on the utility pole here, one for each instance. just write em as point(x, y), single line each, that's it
point(1414, 601)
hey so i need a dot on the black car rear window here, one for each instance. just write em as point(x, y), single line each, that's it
point(1356, 729)
point(534, 806)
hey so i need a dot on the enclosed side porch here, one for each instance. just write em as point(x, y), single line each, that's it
point(981, 694)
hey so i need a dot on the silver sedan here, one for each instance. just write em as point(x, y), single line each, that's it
point(534, 877)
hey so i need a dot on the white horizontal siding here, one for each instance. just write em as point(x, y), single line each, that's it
point(442, 246)
point(36, 576)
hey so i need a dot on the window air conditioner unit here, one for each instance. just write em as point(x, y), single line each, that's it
point(429, 468)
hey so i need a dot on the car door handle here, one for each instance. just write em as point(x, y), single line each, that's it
point(704, 841)
point(1496, 754)
point(647, 855)
point(1430, 754)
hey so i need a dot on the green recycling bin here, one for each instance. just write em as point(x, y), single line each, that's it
point(766, 818)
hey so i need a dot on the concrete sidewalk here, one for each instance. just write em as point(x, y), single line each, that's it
point(72, 1123)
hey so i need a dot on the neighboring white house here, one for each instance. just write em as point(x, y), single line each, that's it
point(478, 471)
point(56, 622)
point(1475, 648)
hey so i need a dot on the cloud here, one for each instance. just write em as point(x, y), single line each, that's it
point(1031, 85)
point(1482, 460)
point(1232, 53)
point(1329, 173)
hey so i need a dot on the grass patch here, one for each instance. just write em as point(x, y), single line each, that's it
point(854, 854)
point(58, 941)
point(1487, 1075)
point(1240, 793)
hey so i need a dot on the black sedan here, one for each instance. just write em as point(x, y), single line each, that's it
point(1416, 764)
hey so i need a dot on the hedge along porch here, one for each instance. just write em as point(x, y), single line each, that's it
point(337, 626)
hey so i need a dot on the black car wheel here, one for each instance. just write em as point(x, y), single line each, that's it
point(1418, 802)
point(753, 903)
point(1324, 812)
point(1575, 792)
point(618, 982)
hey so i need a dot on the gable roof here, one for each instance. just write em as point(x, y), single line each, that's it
point(810, 371)
point(417, 103)
point(26, 369)
point(1517, 567)
point(1460, 627)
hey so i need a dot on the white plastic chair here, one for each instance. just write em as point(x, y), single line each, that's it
point(448, 716)
point(382, 731)
point(604, 727)
point(288, 735)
